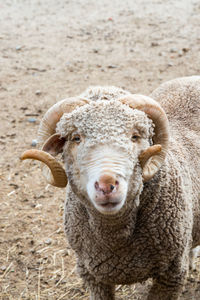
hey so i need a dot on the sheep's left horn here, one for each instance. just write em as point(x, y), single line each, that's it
point(155, 112)
point(57, 176)
point(149, 152)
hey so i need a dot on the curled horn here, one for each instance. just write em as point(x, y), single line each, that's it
point(57, 177)
point(53, 115)
point(55, 174)
point(152, 158)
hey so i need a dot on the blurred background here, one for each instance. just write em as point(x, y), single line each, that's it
point(52, 49)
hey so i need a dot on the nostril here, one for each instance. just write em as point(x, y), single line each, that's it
point(96, 185)
point(112, 187)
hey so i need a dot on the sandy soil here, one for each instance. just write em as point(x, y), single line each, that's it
point(54, 49)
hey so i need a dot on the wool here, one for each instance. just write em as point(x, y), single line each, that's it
point(153, 231)
point(152, 240)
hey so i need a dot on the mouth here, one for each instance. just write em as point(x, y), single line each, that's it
point(108, 206)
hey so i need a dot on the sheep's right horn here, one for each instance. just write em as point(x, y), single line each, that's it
point(57, 176)
point(48, 128)
point(53, 115)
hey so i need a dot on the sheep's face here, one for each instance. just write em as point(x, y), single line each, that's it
point(103, 142)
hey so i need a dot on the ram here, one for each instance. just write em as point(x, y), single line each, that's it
point(132, 164)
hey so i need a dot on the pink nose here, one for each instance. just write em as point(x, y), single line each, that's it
point(106, 184)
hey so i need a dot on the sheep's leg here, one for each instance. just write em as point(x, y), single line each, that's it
point(102, 292)
point(168, 286)
point(98, 290)
point(164, 291)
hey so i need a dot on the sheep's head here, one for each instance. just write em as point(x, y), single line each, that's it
point(109, 147)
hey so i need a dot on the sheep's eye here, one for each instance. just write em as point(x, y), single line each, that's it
point(135, 137)
point(76, 138)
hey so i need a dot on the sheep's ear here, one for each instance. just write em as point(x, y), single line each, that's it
point(54, 144)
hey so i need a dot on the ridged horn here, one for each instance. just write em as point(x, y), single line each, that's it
point(53, 170)
point(151, 151)
point(154, 157)
point(57, 177)
point(53, 115)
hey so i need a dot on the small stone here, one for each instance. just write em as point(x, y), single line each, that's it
point(24, 200)
point(38, 92)
point(180, 53)
point(23, 108)
point(48, 241)
point(32, 120)
point(112, 67)
point(34, 143)
point(154, 44)
point(18, 48)
point(185, 49)
point(173, 50)
point(162, 53)
point(170, 64)
point(38, 205)
point(3, 268)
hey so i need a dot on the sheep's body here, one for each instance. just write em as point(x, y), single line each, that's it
point(180, 99)
point(154, 242)
point(132, 210)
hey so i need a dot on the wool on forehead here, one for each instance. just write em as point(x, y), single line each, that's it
point(105, 118)
point(96, 93)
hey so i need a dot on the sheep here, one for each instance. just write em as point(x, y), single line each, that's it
point(132, 175)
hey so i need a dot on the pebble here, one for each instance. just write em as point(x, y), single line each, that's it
point(162, 53)
point(185, 49)
point(170, 64)
point(154, 44)
point(173, 50)
point(112, 67)
point(32, 120)
point(38, 92)
point(48, 241)
point(34, 143)
point(3, 268)
point(180, 53)
point(18, 47)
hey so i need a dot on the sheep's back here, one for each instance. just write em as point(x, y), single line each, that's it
point(180, 98)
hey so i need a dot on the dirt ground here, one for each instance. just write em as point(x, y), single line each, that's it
point(51, 50)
